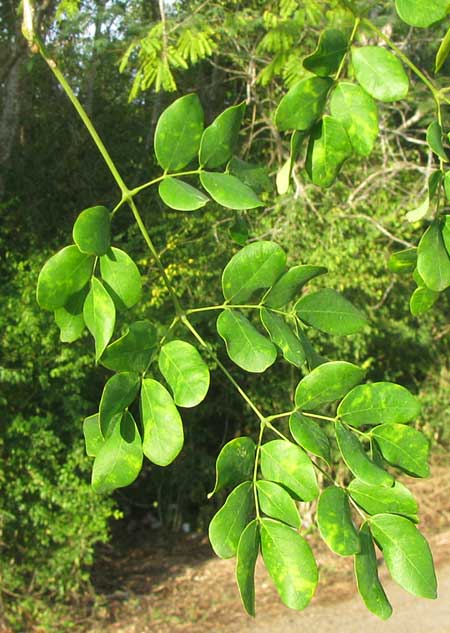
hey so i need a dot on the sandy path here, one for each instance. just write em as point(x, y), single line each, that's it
point(411, 615)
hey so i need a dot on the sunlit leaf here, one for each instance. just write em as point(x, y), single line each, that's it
point(122, 278)
point(328, 311)
point(443, 52)
point(247, 553)
point(288, 286)
point(219, 139)
point(229, 522)
point(185, 371)
point(229, 191)
point(310, 436)
point(329, 146)
point(282, 335)
point(303, 104)
point(358, 113)
point(92, 231)
point(70, 319)
point(118, 394)
point(287, 464)
point(234, 463)
point(335, 523)
point(422, 13)
point(380, 73)
point(180, 196)
point(277, 503)
point(99, 315)
point(403, 261)
point(403, 446)
point(326, 383)
point(133, 350)
point(433, 261)
point(93, 436)
point(378, 499)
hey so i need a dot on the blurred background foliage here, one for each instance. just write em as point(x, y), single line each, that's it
point(128, 59)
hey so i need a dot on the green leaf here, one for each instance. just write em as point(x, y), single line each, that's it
point(443, 52)
point(329, 146)
point(310, 436)
point(326, 383)
point(335, 524)
point(328, 55)
point(434, 140)
point(277, 503)
point(247, 554)
point(119, 460)
point(404, 261)
point(92, 231)
point(290, 563)
point(287, 464)
point(357, 461)
point(380, 73)
point(403, 446)
point(433, 262)
point(257, 265)
point(283, 178)
point(422, 299)
point(246, 347)
point(358, 113)
point(185, 371)
point(62, 276)
point(290, 283)
point(229, 522)
point(366, 573)
point(378, 402)
point(447, 185)
point(239, 230)
point(304, 103)
point(254, 176)
point(178, 133)
point(163, 428)
point(93, 437)
point(69, 318)
point(282, 335)
point(424, 209)
point(122, 278)
point(422, 13)
point(118, 394)
point(379, 499)
point(235, 463)
point(180, 196)
point(229, 191)
point(313, 359)
point(219, 139)
point(99, 315)
point(406, 552)
point(329, 312)
point(133, 350)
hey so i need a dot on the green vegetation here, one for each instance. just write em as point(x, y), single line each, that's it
point(109, 283)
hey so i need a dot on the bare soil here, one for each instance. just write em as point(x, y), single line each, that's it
point(181, 587)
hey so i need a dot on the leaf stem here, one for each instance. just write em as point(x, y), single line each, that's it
point(350, 41)
point(262, 426)
point(277, 416)
point(319, 417)
point(225, 306)
point(164, 176)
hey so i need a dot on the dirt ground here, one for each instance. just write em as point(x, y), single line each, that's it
point(182, 587)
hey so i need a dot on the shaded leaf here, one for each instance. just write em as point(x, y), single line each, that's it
point(288, 286)
point(246, 347)
point(287, 464)
point(70, 319)
point(335, 523)
point(99, 315)
point(118, 394)
point(366, 573)
point(62, 276)
point(93, 437)
point(326, 383)
point(282, 335)
point(329, 53)
point(443, 52)
point(434, 140)
point(178, 133)
point(185, 371)
point(234, 463)
point(122, 278)
point(303, 104)
point(357, 461)
point(422, 299)
point(163, 428)
point(310, 436)
point(220, 138)
point(229, 522)
point(329, 146)
point(290, 563)
point(433, 262)
point(254, 176)
point(119, 460)
point(404, 261)
point(329, 312)
point(133, 350)
point(247, 554)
